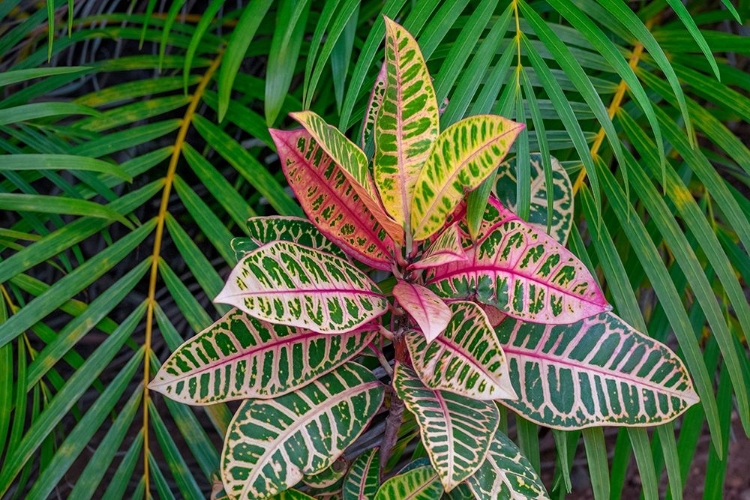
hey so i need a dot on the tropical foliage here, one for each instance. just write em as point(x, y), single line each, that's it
point(446, 268)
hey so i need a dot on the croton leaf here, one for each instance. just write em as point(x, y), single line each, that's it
point(598, 371)
point(462, 157)
point(524, 273)
point(353, 163)
point(286, 283)
point(328, 476)
point(241, 357)
point(561, 197)
point(330, 201)
point(373, 108)
point(363, 480)
point(272, 443)
point(407, 124)
point(445, 249)
point(456, 430)
point(418, 483)
point(264, 230)
point(426, 308)
point(466, 359)
point(506, 474)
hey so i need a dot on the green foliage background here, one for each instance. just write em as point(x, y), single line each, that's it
point(134, 145)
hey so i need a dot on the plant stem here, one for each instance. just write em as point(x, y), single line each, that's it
point(392, 425)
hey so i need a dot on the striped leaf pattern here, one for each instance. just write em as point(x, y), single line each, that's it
point(407, 124)
point(363, 479)
point(264, 230)
point(561, 196)
point(445, 249)
point(329, 476)
point(599, 371)
point(456, 430)
point(463, 156)
point(241, 357)
point(419, 483)
point(271, 444)
point(466, 359)
point(286, 283)
point(524, 273)
point(330, 201)
point(506, 474)
point(373, 108)
point(353, 163)
point(425, 308)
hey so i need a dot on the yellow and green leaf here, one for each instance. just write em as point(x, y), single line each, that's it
point(463, 156)
point(407, 123)
point(288, 284)
point(455, 430)
point(466, 359)
point(272, 444)
point(264, 230)
point(445, 249)
point(418, 483)
point(363, 479)
point(241, 357)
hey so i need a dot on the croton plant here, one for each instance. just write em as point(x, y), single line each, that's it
point(397, 293)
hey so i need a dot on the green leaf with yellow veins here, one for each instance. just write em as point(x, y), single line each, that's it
point(271, 444)
point(363, 479)
point(264, 230)
point(241, 357)
point(407, 124)
point(420, 483)
point(288, 284)
point(464, 155)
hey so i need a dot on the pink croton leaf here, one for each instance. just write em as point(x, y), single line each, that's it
point(330, 201)
point(523, 272)
point(445, 249)
point(426, 308)
point(353, 163)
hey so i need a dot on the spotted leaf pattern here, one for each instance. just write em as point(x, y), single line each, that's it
point(466, 359)
point(506, 474)
point(373, 108)
point(524, 273)
point(272, 443)
point(353, 163)
point(407, 124)
point(241, 357)
point(427, 309)
point(363, 479)
point(264, 230)
point(598, 371)
point(445, 249)
point(330, 201)
point(285, 283)
point(561, 196)
point(463, 156)
point(419, 483)
point(456, 430)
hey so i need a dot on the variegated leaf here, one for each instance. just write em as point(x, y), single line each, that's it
point(279, 228)
point(524, 273)
point(463, 155)
point(407, 124)
point(599, 371)
point(561, 196)
point(426, 308)
point(271, 444)
point(373, 108)
point(506, 474)
point(363, 480)
point(329, 476)
point(456, 430)
point(445, 249)
point(466, 359)
point(420, 483)
point(353, 163)
point(286, 283)
point(241, 357)
point(330, 200)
